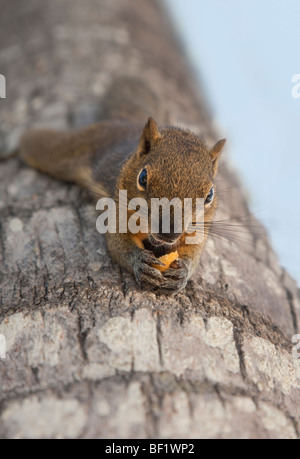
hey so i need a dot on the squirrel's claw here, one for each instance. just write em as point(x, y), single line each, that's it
point(144, 273)
point(175, 279)
point(167, 282)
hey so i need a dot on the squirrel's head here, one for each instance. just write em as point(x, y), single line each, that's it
point(173, 163)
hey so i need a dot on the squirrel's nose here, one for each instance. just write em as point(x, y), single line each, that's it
point(169, 237)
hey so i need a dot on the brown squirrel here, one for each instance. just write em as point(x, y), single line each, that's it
point(113, 155)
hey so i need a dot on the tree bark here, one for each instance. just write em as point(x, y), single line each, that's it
point(88, 353)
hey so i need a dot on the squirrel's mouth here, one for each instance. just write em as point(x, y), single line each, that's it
point(160, 247)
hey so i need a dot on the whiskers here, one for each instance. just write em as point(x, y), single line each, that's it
point(232, 230)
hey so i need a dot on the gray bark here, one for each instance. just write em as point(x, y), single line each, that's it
point(88, 353)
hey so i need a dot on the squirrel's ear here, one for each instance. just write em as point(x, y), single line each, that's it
point(149, 136)
point(215, 154)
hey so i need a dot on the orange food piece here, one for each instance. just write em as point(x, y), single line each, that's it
point(167, 260)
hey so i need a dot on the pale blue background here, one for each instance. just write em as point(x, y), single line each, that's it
point(246, 52)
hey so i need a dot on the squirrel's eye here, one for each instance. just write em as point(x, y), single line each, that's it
point(142, 181)
point(210, 196)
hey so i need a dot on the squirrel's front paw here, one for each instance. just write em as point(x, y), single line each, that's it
point(170, 281)
point(144, 273)
point(176, 277)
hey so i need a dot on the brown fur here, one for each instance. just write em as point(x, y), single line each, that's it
point(108, 156)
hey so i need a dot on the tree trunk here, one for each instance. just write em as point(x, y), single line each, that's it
point(88, 353)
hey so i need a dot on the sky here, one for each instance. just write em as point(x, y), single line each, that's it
point(246, 53)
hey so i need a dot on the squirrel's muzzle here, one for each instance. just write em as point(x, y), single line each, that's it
point(170, 238)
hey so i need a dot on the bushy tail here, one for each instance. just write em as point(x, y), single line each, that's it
point(65, 156)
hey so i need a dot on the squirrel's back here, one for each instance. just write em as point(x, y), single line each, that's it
point(93, 156)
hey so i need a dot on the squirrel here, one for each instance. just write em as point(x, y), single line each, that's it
point(148, 162)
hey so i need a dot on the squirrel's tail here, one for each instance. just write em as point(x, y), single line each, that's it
point(47, 151)
point(65, 156)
